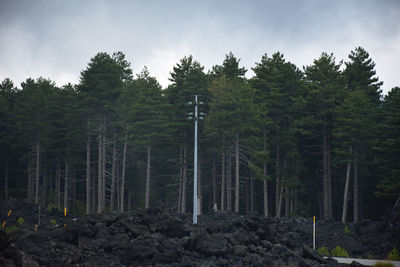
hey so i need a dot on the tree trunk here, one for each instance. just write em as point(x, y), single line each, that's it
point(113, 173)
point(129, 198)
point(214, 179)
point(88, 183)
point(184, 182)
point(356, 204)
point(325, 171)
point(346, 188)
point(118, 186)
point(265, 182)
point(51, 188)
point(330, 211)
point(251, 192)
point(277, 184)
point(229, 182)
point(66, 184)
point(37, 171)
point(6, 182)
point(396, 204)
point(147, 201)
point(103, 161)
point(95, 190)
point(29, 170)
point(100, 172)
point(222, 207)
point(237, 177)
point(282, 187)
point(246, 196)
point(180, 179)
point(287, 200)
point(43, 200)
point(124, 170)
point(58, 184)
point(292, 200)
point(74, 205)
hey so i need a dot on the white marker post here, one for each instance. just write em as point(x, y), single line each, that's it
point(313, 233)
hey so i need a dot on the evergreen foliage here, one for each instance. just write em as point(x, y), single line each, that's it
point(279, 143)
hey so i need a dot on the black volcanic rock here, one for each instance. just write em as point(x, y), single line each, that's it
point(158, 237)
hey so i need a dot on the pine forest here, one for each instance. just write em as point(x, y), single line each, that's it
point(319, 140)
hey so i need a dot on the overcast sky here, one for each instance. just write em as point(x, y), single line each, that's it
point(56, 38)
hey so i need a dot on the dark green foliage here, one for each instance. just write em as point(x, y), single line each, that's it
point(33, 108)
point(101, 82)
point(188, 79)
point(295, 129)
point(277, 97)
point(145, 110)
point(389, 146)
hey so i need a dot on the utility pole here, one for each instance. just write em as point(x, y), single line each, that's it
point(195, 163)
point(195, 117)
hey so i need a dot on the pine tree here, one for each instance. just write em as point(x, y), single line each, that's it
point(148, 119)
point(8, 134)
point(277, 85)
point(325, 87)
point(357, 117)
point(100, 87)
point(230, 109)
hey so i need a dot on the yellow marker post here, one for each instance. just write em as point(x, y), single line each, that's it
point(65, 214)
point(5, 221)
point(314, 233)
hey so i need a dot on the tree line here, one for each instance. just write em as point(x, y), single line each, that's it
point(321, 140)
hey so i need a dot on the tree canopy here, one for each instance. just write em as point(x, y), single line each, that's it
point(285, 142)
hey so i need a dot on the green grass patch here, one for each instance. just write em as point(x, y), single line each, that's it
point(339, 252)
point(323, 251)
point(11, 228)
point(383, 264)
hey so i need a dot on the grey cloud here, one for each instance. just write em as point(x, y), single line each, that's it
point(56, 39)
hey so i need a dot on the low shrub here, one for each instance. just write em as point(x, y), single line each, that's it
point(20, 220)
point(53, 222)
point(394, 255)
point(323, 251)
point(346, 230)
point(339, 252)
point(383, 264)
point(11, 228)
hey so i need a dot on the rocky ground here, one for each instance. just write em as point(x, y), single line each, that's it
point(158, 237)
